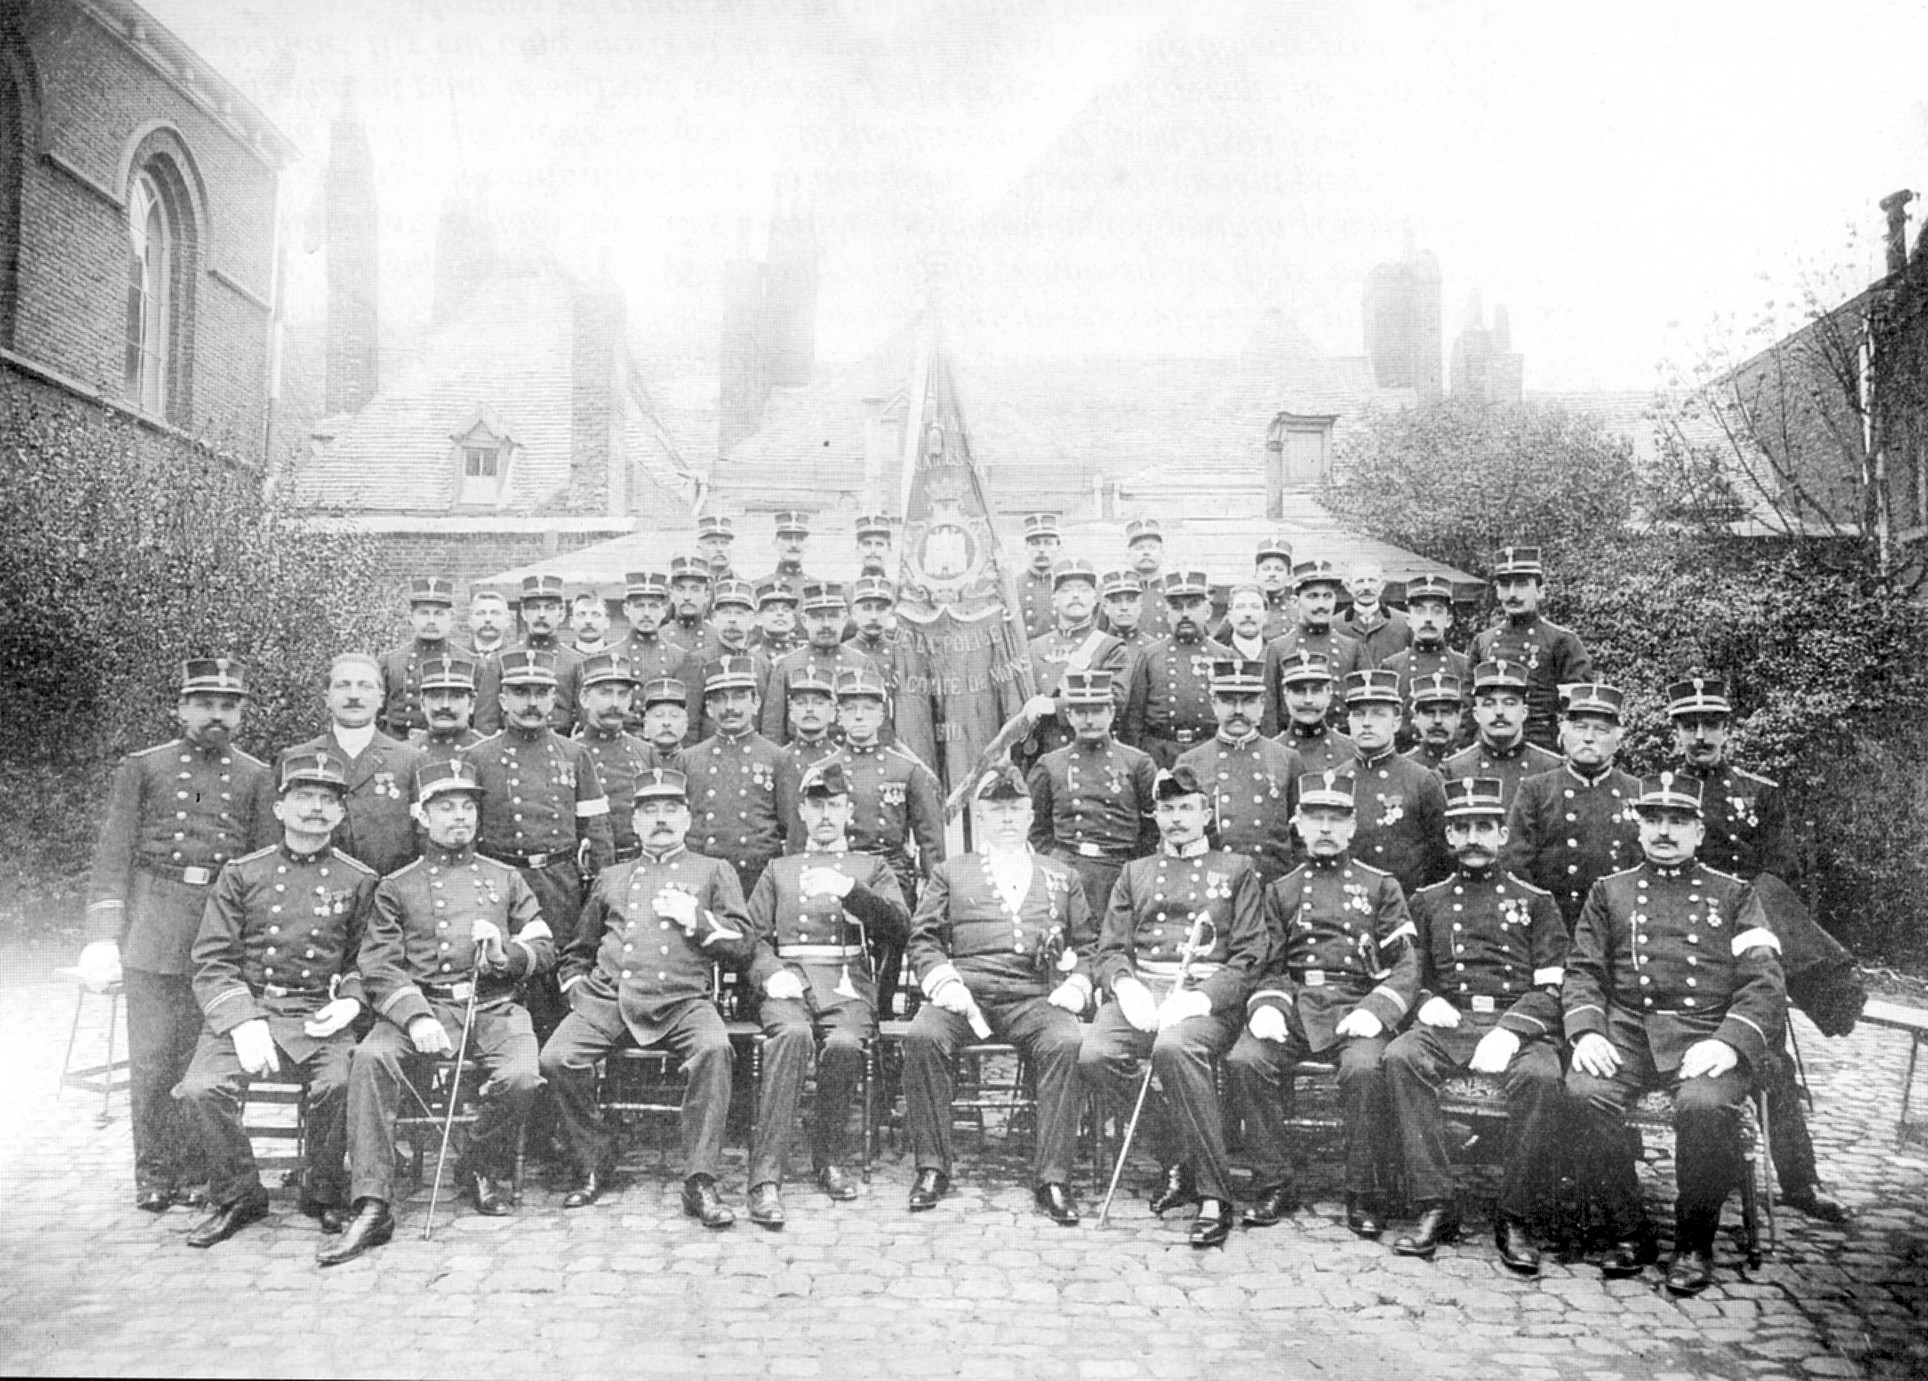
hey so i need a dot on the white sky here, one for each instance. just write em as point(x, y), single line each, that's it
point(1128, 176)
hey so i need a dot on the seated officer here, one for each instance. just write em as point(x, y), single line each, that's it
point(451, 929)
point(270, 996)
point(996, 945)
point(1190, 908)
point(816, 915)
point(1091, 799)
point(1490, 953)
point(1342, 974)
point(688, 910)
point(1673, 981)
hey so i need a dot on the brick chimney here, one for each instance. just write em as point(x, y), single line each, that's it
point(743, 353)
point(351, 361)
point(791, 296)
point(596, 356)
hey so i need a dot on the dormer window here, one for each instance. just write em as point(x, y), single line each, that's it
point(482, 454)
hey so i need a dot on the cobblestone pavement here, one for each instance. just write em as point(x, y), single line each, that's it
point(982, 1287)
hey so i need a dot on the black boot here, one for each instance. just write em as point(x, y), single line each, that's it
point(1438, 1222)
point(371, 1226)
point(1515, 1241)
point(1178, 1189)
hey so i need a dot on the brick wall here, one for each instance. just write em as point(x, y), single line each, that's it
point(472, 556)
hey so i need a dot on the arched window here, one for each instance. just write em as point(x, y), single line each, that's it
point(150, 284)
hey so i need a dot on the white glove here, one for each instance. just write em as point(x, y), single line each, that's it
point(332, 1018)
point(254, 1047)
point(1135, 1001)
point(784, 984)
point(1710, 1058)
point(1594, 1054)
point(100, 965)
point(1495, 1051)
point(1068, 995)
point(954, 997)
point(487, 938)
point(1183, 1006)
point(1359, 1022)
point(1437, 1011)
point(673, 903)
point(429, 1037)
point(821, 882)
point(1268, 1024)
point(1040, 707)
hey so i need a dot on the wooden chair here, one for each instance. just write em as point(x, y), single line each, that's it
point(428, 1085)
point(110, 1076)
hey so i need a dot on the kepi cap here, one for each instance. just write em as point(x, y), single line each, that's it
point(321, 768)
point(1475, 796)
point(438, 778)
point(219, 675)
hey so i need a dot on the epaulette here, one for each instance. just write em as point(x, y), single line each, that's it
point(1756, 777)
point(899, 752)
point(1624, 872)
point(1528, 887)
point(147, 752)
point(1441, 886)
point(1726, 877)
point(488, 738)
point(246, 756)
point(1369, 870)
point(261, 852)
point(400, 872)
point(356, 865)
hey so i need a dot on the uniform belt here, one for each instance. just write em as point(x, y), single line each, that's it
point(1324, 978)
point(1112, 853)
point(548, 860)
point(276, 990)
point(1186, 736)
point(193, 877)
point(831, 952)
point(1201, 969)
point(447, 992)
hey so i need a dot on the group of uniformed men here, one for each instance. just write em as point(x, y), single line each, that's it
point(544, 851)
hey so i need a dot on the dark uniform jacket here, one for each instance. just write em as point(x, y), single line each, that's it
point(1255, 790)
point(542, 801)
point(1745, 824)
point(1565, 833)
point(963, 929)
point(378, 828)
point(1170, 696)
point(1511, 765)
point(1493, 945)
point(1415, 663)
point(1052, 654)
point(282, 934)
point(418, 944)
point(1034, 602)
point(1152, 910)
point(402, 684)
point(1553, 657)
point(1677, 956)
point(1341, 939)
point(894, 799)
point(630, 968)
point(1433, 760)
point(807, 661)
point(652, 656)
point(175, 814)
point(1401, 812)
point(688, 634)
point(488, 685)
point(743, 798)
point(1379, 638)
point(1093, 800)
point(1344, 655)
point(792, 577)
point(620, 759)
point(1319, 746)
point(433, 748)
point(828, 937)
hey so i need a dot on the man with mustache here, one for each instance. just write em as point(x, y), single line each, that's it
point(1121, 595)
point(1429, 614)
point(589, 623)
point(1244, 628)
point(453, 927)
point(489, 623)
point(648, 648)
point(873, 546)
point(1379, 631)
point(1145, 550)
point(542, 614)
point(822, 658)
point(378, 829)
point(715, 535)
point(1042, 543)
point(1551, 656)
point(1168, 705)
point(1315, 587)
point(690, 583)
point(1076, 644)
point(275, 974)
point(1438, 706)
point(1091, 799)
point(448, 704)
point(743, 788)
point(431, 610)
point(873, 603)
point(1500, 747)
point(792, 536)
point(776, 618)
point(1272, 578)
point(608, 690)
point(1253, 781)
point(813, 714)
point(175, 814)
point(1401, 817)
point(1304, 682)
point(666, 720)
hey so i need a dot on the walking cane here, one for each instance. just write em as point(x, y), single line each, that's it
point(455, 1093)
point(1194, 942)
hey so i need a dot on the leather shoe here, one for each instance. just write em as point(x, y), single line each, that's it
point(1515, 1241)
point(186, 1196)
point(1179, 1188)
point(1274, 1205)
point(1629, 1256)
point(1213, 1224)
point(766, 1205)
point(1438, 1222)
point(1055, 1202)
point(835, 1183)
point(488, 1196)
point(154, 1200)
point(588, 1188)
point(1363, 1217)
point(371, 1226)
point(927, 1189)
point(1689, 1272)
point(702, 1202)
point(229, 1219)
point(1808, 1200)
point(331, 1217)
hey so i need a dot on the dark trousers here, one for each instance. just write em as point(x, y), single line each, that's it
point(694, 1033)
point(1707, 1143)
point(163, 1025)
point(1049, 1037)
point(1787, 1130)
point(1418, 1062)
point(1183, 1123)
point(501, 1042)
point(790, 1042)
point(1260, 1071)
point(558, 889)
point(1097, 874)
point(215, 1092)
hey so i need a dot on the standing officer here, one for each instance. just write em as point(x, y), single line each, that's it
point(1570, 827)
point(1438, 703)
point(1316, 590)
point(1000, 945)
point(489, 623)
point(1673, 981)
point(1186, 890)
point(452, 928)
point(1342, 975)
point(1500, 747)
point(818, 916)
point(1036, 589)
point(1168, 706)
point(1272, 577)
point(542, 614)
point(792, 536)
point(715, 535)
point(1076, 644)
point(1092, 798)
point(776, 618)
point(873, 546)
point(1145, 549)
point(1491, 949)
point(448, 704)
point(543, 808)
point(666, 722)
point(608, 700)
point(1253, 780)
point(873, 604)
point(822, 657)
point(813, 715)
point(1121, 597)
point(176, 813)
point(274, 972)
point(1379, 631)
point(1429, 613)
point(639, 973)
point(1552, 656)
point(742, 787)
point(378, 830)
point(648, 649)
point(733, 634)
point(1400, 823)
point(431, 611)
point(690, 584)
point(1303, 684)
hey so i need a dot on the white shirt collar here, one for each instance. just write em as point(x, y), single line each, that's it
point(354, 742)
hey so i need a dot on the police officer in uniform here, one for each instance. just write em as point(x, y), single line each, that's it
point(1145, 549)
point(1000, 945)
point(742, 787)
point(817, 916)
point(873, 601)
point(639, 973)
point(1272, 575)
point(1315, 586)
point(1400, 824)
point(733, 634)
point(431, 611)
point(812, 719)
point(1552, 656)
point(1438, 702)
point(665, 723)
point(777, 632)
point(453, 928)
point(1492, 950)
point(793, 535)
point(1342, 976)
point(1121, 599)
point(1500, 747)
point(447, 688)
point(378, 829)
point(1036, 588)
point(690, 584)
point(1429, 614)
point(1673, 981)
point(1168, 707)
point(175, 814)
point(1092, 798)
point(873, 546)
point(715, 535)
point(821, 658)
point(1253, 780)
point(1302, 681)
point(1186, 894)
point(608, 701)
point(1075, 644)
point(275, 974)
point(651, 654)
point(542, 615)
